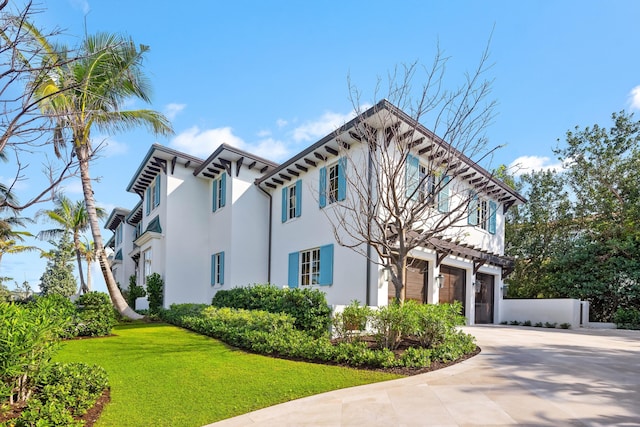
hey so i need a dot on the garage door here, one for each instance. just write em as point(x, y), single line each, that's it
point(453, 287)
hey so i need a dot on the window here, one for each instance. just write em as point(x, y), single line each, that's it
point(153, 195)
point(421, 186)
point(146, 260)
point(219, 194)
point(333, 183)
point(138, 230)
point(119, 235)
point(292, 201)
point(217, 269)
point(311, 267)
point(482, 213)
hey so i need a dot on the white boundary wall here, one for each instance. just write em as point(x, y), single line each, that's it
point(542, 310)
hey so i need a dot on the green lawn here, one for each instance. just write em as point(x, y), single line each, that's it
point(161, 375)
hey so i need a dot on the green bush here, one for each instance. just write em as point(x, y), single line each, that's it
point(627, 318)
point(134, 292)
point(44, 414)
point(307, 306)
point(347, 324)
point(393, 322)
point(435, 322)
point(455, 346)
point(155, 287)
point(29, 337)
point(416, 357)
point(59, 310)
point(95, 316)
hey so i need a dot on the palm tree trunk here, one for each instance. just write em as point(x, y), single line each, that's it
point(82, 152)
point(83, 285)
point(88, 276)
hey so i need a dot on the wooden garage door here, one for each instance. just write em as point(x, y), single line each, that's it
point(453, 287)
point(416, 282)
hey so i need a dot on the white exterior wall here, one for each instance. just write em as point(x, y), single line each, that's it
point(186, 208)
point(311, 230)
point(554, 310)
point(246, 262)
point(126, 267)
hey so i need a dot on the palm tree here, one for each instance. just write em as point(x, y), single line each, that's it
point(71, 217)
point(10, 239)
point(91, 91)
point(88, 250)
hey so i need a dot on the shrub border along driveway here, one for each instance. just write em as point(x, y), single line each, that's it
point(522, 376)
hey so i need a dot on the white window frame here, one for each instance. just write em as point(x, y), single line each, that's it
point(218, 201)
point(333, 174)
point(309, 267)
point(483, 214)
point(147, 257)
point(291, 202)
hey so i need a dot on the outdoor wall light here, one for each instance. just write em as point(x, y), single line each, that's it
point(477, 285)
point(439, 281)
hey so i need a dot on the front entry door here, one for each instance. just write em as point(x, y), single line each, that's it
point(453, 286)
point(484, 298)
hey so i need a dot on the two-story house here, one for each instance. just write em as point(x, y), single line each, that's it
point(235, 219)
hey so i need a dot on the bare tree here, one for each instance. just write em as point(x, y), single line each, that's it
point(25, 133)
point(409, 187)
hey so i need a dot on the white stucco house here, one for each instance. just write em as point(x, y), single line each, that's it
point(235, 219)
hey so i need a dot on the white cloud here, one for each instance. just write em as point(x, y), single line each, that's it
point(71, 187)
point(281, 123)
point(526, 164)
point(264, 133)
point(634, 98)
point(326, 124)
point(202, 143)
point(82, 5)
point(270, 149)
point(172, 110)
point(111, 147)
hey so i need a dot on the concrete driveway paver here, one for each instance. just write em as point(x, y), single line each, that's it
point(523, 376)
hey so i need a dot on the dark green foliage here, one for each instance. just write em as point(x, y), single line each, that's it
point(275, 334)
point(514, 323)
point(565, 325)
point(538, 325)
point(307, 306)
point(155, 289)
point(58, 277)
point(348, 324)
point(526, 323)
point(586, 246)
point(64, 391)
point(550, 325)
point(95, 316)
point(133, 292)
point(627, 318)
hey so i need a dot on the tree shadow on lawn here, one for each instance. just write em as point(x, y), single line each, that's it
point(596, 384)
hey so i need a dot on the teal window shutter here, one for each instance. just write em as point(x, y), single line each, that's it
point(326, 265)
point(285, 204)
point(342, 178)
point(293, 269)
point(156, 190)
point(213, 269)
point(148, 201)
point(493, 208)
point(412, 176)
point(322, 191)
point(472, 218)
point(298, 198)
point(223, 190)
point(214, 205)
point(443, 195)
point(221, 272)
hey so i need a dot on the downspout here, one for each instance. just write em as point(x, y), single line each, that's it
point(270, 226)
point(369, 184)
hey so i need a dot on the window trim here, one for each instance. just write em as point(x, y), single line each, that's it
point(324, 183)
point(217, 269)
point(219, 192)
point(292, 203)
point(325, 265)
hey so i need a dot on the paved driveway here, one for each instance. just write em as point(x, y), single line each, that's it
point(523, 376)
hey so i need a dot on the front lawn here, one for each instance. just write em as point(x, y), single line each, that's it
point(162, 375)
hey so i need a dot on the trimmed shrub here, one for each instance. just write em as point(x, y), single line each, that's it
point(95, 316)
point(435, 322)
point(393, 322)
point(134, 292)
point(308, 307)
point(155, 287)
point(627, 318)
point(347, 324)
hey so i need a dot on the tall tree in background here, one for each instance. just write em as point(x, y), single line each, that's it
point(88, 252)
point(403, 203)
point(58, 276)
point(72, 217)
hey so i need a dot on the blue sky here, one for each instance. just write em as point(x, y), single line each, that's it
point(271, 76)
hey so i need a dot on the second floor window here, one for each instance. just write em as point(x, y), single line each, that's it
point(292, 201)
point(483, 213)
point(153, 195)
point(219, 194)
point(119, 235)
point(333, 183)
